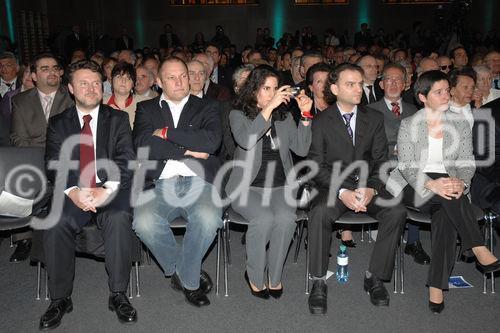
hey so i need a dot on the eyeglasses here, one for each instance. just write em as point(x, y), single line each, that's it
point(443, 68)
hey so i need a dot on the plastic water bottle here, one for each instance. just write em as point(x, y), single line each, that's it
point(342, 265)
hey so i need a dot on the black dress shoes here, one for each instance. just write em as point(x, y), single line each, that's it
point(417, 252)
point(318, 298)
point(493, 267)
point(276, 293)
point(57, 309)
point(119, 303)
point(436, 308)
point(346, 243)
point(264, 293)
point(206, 283)
point(22, 251)
point(378, 294)
point(194, 297)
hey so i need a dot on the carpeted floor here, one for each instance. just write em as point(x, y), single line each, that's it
point(163, 310)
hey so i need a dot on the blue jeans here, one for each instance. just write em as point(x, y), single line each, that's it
point(187, 197)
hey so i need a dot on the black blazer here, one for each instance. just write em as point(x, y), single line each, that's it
point(218, 92)
point(120, 44)
point(331, 143)
point(379, 93)
point(114, 142)
point(487, 177)
point(199, 129)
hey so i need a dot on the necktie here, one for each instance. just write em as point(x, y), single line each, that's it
point(396, 109)
point(47, 100)
point(371, 97)
point(87, 158)
point(9, 86)
point(347, 118)
point(496, 83)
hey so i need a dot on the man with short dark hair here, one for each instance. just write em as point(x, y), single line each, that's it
point(182, 132)
point(342, 134)
point(308, 59)
point(168, 38)
point(219, 74)
point(459, 57)
point(92, 193)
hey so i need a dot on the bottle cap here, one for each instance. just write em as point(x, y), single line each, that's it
point(343, 248)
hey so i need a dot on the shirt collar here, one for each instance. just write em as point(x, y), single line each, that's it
point(389, 105)
point(8, 82)
point(94, 113)
point(112, 101)
point(458, 109)
point(42, 95)
point(173, 105)
point(200, 94)
point(354, 110)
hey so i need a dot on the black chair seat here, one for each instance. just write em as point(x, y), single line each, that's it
point(351, 217)
point(9, 223)
point(233, 217)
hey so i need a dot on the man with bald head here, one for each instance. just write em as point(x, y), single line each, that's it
point(371, 89)
point(182, 132)
point(444, 64)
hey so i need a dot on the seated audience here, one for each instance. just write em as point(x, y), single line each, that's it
point(123, 79)
point(439, 183)
point(343, 133)
point(182, 132)
point(265, 133)
point(90, 195)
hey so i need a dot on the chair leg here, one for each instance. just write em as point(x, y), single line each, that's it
point(224, 250)
point(300, 226)
point(47, 296)
point(137, 280)
point(492, 249)
point(486, 229)
point(307, 265)
point(395, 271)
point(38, 279)
point(362, 232)
point(217, 263)
point(11, 241)
point(401, 267)
point(227, 251)
point(369, 233)
point(129, 289)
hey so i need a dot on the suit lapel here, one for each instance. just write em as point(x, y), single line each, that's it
point(165, 114)
point(36, 106)
point(187, 112)
point(103, 128)
point(361, 126)
point(339, 124)
point(56, 105)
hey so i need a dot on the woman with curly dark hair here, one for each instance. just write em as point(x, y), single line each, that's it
point(263, 172)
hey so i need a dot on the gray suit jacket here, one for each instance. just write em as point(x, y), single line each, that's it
point(392, 122)
point(413, 145)
point(29, 125)
point(248, 134)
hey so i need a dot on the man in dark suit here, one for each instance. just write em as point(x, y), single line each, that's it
point(363, 37)
point(75, 41)
point(93, 191)
point(343, 134)
point(168, 38)
point(4, 132)
point(182, 133)
point(9, 68)
point(394, 110)
point(124, 42)
point(219, 75)
point(371, 88)
point(485, 188)
point(31, 110)
point(213, 90)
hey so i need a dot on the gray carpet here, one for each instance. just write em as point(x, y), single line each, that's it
point(163, 310)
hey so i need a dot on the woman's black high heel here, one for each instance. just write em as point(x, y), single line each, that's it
point(436, 308)
point(493, 267)
point(264, 293)
point(275, 293)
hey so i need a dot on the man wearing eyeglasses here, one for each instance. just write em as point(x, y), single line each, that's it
point(394, 110)
point(31, 110)
point(8, 73)
point(444, 64)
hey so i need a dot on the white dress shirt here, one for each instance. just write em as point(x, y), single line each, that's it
point(7, 86)
point(175, 168)
point(113, 185)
